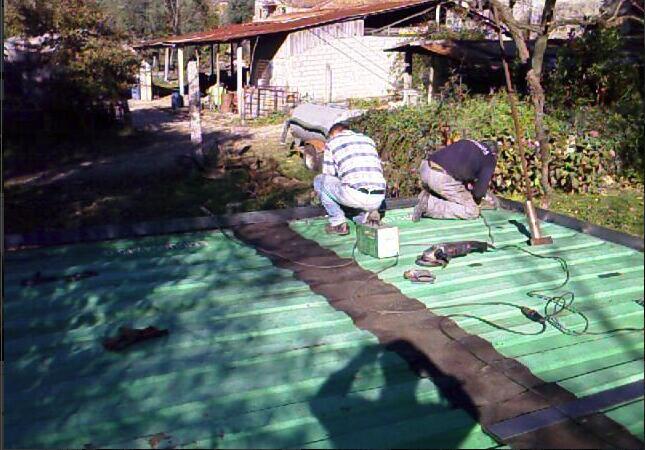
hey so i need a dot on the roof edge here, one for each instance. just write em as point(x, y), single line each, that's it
point(17, 241)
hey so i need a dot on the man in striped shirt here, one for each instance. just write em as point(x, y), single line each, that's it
point(352, 175)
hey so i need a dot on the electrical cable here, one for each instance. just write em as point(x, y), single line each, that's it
point(556, 304)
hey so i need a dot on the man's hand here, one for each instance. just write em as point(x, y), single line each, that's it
point(469, 186)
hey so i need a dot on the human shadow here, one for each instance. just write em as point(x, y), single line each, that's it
point(392, 406)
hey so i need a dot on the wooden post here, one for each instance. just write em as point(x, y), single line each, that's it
point(180, 70)
point(240, 81)
point(232, 60)
point(431, 81)
point(194, 102)
point(536, 234)
point(217, 74)
point(166, 65)
point(212, 59)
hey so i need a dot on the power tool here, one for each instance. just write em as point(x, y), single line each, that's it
point(441, 254)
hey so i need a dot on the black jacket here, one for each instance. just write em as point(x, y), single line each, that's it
point(469, 162)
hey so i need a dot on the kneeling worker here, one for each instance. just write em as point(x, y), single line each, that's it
point(457, 176)
point(352, 175)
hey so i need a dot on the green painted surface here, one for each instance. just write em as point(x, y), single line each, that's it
point(606, 279)
point(253, 359)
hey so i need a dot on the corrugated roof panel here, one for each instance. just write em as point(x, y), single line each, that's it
point(280, 24)
point(606, 279)
point(253, 359)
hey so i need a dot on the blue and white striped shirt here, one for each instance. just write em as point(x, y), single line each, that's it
point(352, 157)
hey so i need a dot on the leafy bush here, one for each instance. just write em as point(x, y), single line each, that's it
point(583, 155)
point(598, 81)
point(87, 65)
point(239, 11)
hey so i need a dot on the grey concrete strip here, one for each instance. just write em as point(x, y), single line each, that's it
point(187, 225)
point(584, 406)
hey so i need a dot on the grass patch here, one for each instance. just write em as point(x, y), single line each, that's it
point(618, 209)
point(149, 198)
point(274, 118)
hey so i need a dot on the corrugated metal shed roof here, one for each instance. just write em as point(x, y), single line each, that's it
point(606, 279)
point(288, 22)
point(255, 359)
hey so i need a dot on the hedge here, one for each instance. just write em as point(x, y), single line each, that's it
point(584, 152)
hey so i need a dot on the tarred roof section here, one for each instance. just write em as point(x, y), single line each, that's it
point(287, 22)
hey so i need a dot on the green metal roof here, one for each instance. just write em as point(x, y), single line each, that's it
point(606, 279)
point(255, 359)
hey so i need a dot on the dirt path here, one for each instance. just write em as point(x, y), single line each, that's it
point(167, 141)
point(149, 175)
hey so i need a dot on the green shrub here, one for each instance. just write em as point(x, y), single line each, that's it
point(582, 154)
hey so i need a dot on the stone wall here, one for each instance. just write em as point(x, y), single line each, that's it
point(348, 66)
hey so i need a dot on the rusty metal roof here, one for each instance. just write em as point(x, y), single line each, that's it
point(287, 22)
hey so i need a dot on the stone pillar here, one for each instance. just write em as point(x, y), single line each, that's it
point(145, 81)
point(194, 102)
point(240, 82)
point(407, 75)
point(180, 70)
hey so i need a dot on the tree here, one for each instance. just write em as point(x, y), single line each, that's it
point(532, 59)
point(89, 64)
point(145, 19)
point(239, 11)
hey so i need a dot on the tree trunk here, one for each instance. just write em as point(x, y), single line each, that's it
point(533, 78)
point(537, 97)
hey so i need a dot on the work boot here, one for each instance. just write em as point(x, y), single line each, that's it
point(341, 230)
point(421, 207)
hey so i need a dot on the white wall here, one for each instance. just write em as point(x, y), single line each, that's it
point(359, 66)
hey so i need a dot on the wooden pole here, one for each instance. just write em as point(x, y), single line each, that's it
point(212, 59)
point(166, 66)
point(534, 225)
point(240, 81)
point(519, 133)
point(232, 60)
point(180, 63)
point(217, 74)
point(194, 102)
